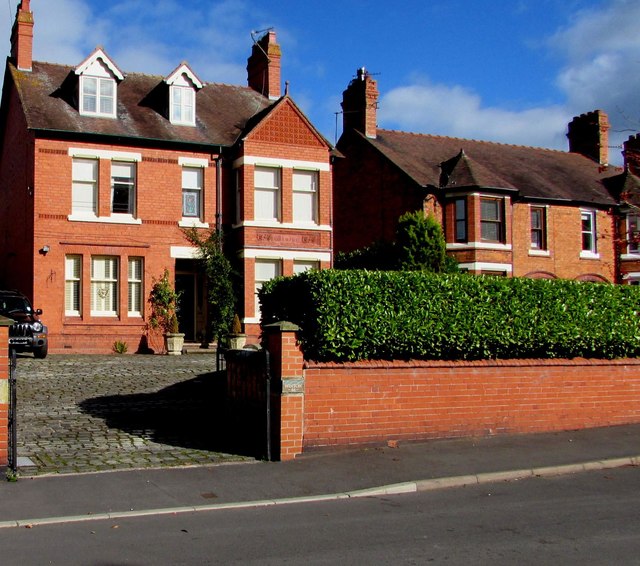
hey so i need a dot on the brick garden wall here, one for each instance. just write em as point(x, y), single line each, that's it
point(4, 394)
point(368, 403)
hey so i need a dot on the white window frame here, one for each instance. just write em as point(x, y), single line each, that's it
point(305, 196)
point(259, 281)
point(103, 95)
point(194, 189)
point(123, 182)
point(73, 285)
point(267, 193)
point(104, 283)
point(135, 286)
point(302, 265)
point(84, 186)
point(182, 104)
point(588, 251)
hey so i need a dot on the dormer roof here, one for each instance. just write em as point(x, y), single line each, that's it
point(99, 57)
point(180, 72)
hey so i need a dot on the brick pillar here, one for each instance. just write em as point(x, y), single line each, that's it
point(287, 368)
point(4, 391)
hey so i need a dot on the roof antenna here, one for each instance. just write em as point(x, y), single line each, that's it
point(256, 33)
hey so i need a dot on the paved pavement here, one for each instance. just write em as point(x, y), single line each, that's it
point(150, 413)
point(95, 413)
point(115, 496)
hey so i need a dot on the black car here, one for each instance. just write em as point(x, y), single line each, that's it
point(28, 334)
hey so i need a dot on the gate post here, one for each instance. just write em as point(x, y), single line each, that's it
point(5, 323)
point(287, 369)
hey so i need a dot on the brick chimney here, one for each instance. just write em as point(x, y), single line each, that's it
point(589, 136)
point(631, 154)
point(263, 66)
point(22, 37)
point(360, 105)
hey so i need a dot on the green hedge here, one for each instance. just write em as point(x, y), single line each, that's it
point(355, 315)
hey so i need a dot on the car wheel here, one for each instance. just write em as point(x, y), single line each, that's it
point(41, 352)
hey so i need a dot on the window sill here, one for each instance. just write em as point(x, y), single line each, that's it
point(630, 257)
point(540, 253)
point(276, 224)
point(479, 246)
point(187, 222)
point(115, 219)
point(589, 255)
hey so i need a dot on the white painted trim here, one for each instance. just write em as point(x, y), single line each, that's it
point(115, 219)
point(539, 253)
point(633, 275)
point(92, 153)
point(183, 252)
point(482, 265)
point(251, 320)
point(286, 163)
point(99, 54)
point(192, 223)
point(630, 257)
point(479, 246)
point(288, 226)
point(261, 253)
point(589, 255)
point(193, 162)
point(186, 70)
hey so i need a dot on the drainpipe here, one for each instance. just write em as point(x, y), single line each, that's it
point(218, 160)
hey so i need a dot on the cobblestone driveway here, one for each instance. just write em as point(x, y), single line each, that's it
point(94, 413)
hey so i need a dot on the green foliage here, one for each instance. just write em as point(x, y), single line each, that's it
point(419, 245)
point(164, 301)
point(120, 347)
point(354, 315)
point(219, 280)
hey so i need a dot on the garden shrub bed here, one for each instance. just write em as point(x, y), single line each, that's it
point(356, 315)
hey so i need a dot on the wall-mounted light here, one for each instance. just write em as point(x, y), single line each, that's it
point(44, 250)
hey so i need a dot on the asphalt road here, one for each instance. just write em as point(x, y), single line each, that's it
point(587, 518)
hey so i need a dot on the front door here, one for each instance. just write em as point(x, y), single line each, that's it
point(186, 286)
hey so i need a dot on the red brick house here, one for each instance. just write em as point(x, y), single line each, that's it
point(100, 171)
point(505, 209)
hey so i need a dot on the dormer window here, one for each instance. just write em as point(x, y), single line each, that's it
point(97, 85)
point(97, 96)
point(183, 85)
point(183, 102)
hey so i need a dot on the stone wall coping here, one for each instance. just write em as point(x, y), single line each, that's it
point(400, 364)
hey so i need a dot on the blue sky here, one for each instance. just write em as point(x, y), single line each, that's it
point(512, 71)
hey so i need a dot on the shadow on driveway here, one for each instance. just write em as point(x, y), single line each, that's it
point(189, 414)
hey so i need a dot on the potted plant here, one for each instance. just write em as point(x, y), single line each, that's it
point(164, 307)
point(236, 339)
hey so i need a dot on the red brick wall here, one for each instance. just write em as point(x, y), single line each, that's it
point(373, 402)
point(4, 396)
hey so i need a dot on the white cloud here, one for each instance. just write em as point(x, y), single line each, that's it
point(599, 50)
point(456, 111)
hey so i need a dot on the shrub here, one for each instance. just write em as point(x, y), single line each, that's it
point(352, 315)
point(120, 347)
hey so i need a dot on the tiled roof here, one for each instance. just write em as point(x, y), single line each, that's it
point(223, 111)
point(534, 172)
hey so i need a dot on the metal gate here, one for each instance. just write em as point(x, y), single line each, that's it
point(248, 400)
point(13, 410)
